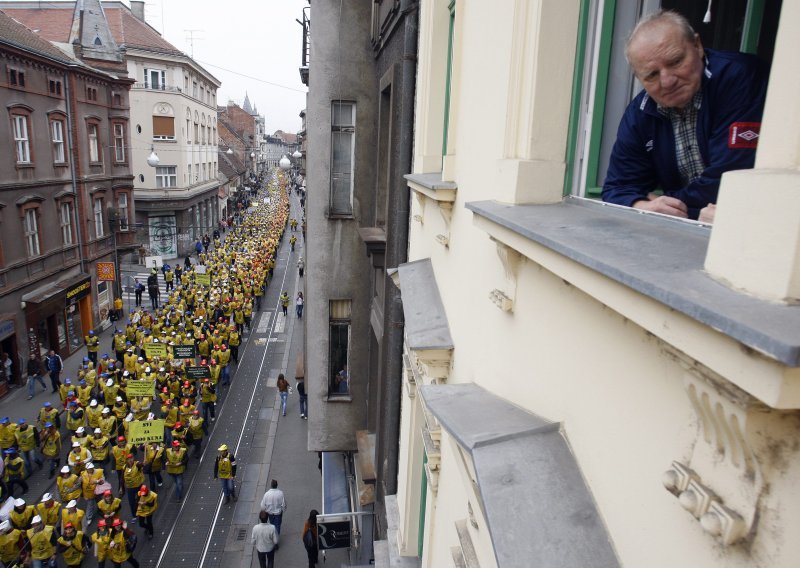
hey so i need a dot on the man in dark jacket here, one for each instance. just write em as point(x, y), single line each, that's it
point(698, 117)
point(34, 370)
point(55, 365)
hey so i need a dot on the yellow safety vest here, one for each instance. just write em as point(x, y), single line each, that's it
point(49, 515)
point(109, 509)
point(224, 468)
point(175, 463)
point(147, 504)
point(69, 487)
point(133, 475)
point(9, 545)
point(75, 518)
point(41, 547)
point(21, 520)
point(25, 439)
point(101, 544)
point(118, 552)
point(73, 554)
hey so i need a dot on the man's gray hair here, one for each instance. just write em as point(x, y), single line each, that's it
point(659, 18)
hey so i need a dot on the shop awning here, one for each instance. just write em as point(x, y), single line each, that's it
point(47, 291)
point(335, 489)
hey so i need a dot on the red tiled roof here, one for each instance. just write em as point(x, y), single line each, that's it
point(15, 33)
point(54, 23)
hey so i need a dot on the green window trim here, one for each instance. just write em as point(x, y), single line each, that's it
point(449, 75)
point(575, 107)
point(423, 498)
point(751, 30)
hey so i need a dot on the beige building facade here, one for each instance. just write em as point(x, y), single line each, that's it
point(586, 385)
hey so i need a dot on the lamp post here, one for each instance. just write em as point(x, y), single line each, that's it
point(285, 164)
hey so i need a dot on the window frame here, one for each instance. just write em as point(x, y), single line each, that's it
point(18, 76)
point(123, 218)
point(338, 321)
point(66, 224)
point(54, 88)
point(54, 143)
point(338, 129)
point(93, 142)
point(160, 177)
point(97, 211)
point(119, 142)
point(162, 77)
point(163, 136)
point(22, 116)
point(30, 211)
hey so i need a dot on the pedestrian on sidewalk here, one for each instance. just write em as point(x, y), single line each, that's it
point(55, 364)
point(303, 398)
point(176, 465)
point(298, 305)
point(285, 302)
point(265, 538)
point(274, 503)
point(283, 390)
point(138, 289)
point(301, 265)
point(225, 470)
point(34, 370)
point(311, 538)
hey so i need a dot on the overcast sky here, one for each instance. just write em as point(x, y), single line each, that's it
point(246, 44)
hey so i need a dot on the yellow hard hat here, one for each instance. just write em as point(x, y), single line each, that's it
point(223, 447)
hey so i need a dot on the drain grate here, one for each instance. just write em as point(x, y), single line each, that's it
point(241, 534)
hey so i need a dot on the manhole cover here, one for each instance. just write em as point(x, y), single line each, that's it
point(241, 534)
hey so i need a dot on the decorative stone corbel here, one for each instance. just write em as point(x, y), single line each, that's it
point(510, 259)
point(421, 200)
point(723, 482)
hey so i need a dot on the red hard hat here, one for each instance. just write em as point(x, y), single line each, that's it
point(178, 425)
point(175, 443)
point(116, 523)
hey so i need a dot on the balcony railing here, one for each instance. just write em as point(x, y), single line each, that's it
point(157, 87)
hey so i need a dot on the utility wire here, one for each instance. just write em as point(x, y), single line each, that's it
point(251, 77)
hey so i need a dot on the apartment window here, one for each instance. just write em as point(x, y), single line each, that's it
point(22, 143)
point(98, 217)
point(155, 79)
point(117, 99)
point(343, 121)
point(204, 173)
point(163, 128)
point(339, 353)
point(16, 78)
point(189, 179)
point(119, 142)
point(57, 135)
point(65, 220)
point(122, 206)
point(194, 89)
point(91, 94)
point(31, 226)
point(597, 108)
point(186, 83)
point(94, 143)
point(166, 176)
point(196, 171)
point(196, 133)
point(448, 74)
point(54, 86)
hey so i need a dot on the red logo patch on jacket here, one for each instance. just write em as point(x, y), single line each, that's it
point(743, 134)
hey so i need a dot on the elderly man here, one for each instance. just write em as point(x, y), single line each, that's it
point(698, 117)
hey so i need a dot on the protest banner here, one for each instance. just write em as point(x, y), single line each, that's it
point(156, 350)
point(140, 388)
point(145, 431)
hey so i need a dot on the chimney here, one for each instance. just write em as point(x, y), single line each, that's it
point(137, 7)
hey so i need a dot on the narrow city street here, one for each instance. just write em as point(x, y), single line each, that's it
point(201, 529)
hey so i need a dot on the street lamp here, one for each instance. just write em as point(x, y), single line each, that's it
point(152, 159)
point(285, 164)
point(297, 154)
point(229, 152)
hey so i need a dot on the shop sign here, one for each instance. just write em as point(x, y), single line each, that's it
point(144, 387)
point(145, 431)
point(106, 272)
point(79, 291)
point(184, 351)
point(333, 534)
point(6, 328)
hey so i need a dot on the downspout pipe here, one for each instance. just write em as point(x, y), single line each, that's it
point(73, 168)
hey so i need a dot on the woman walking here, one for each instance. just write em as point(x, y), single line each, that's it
point(310, 537)
point(298, 305)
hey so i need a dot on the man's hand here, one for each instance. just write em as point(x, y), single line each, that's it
point(707, 214)
point(664, 205)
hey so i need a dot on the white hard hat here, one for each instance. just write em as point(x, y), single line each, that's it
point(36, 520)
point(46, 497)
point(19, 502)
point(72, 503)
point(65, 469)
point(93, 403)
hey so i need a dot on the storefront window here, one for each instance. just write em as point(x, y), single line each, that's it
point(62, 332)
point(74, 327)
point(44, 337)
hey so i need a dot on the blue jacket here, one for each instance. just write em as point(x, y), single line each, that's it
point(643, 158)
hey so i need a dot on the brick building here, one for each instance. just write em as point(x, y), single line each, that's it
point(66, 169)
